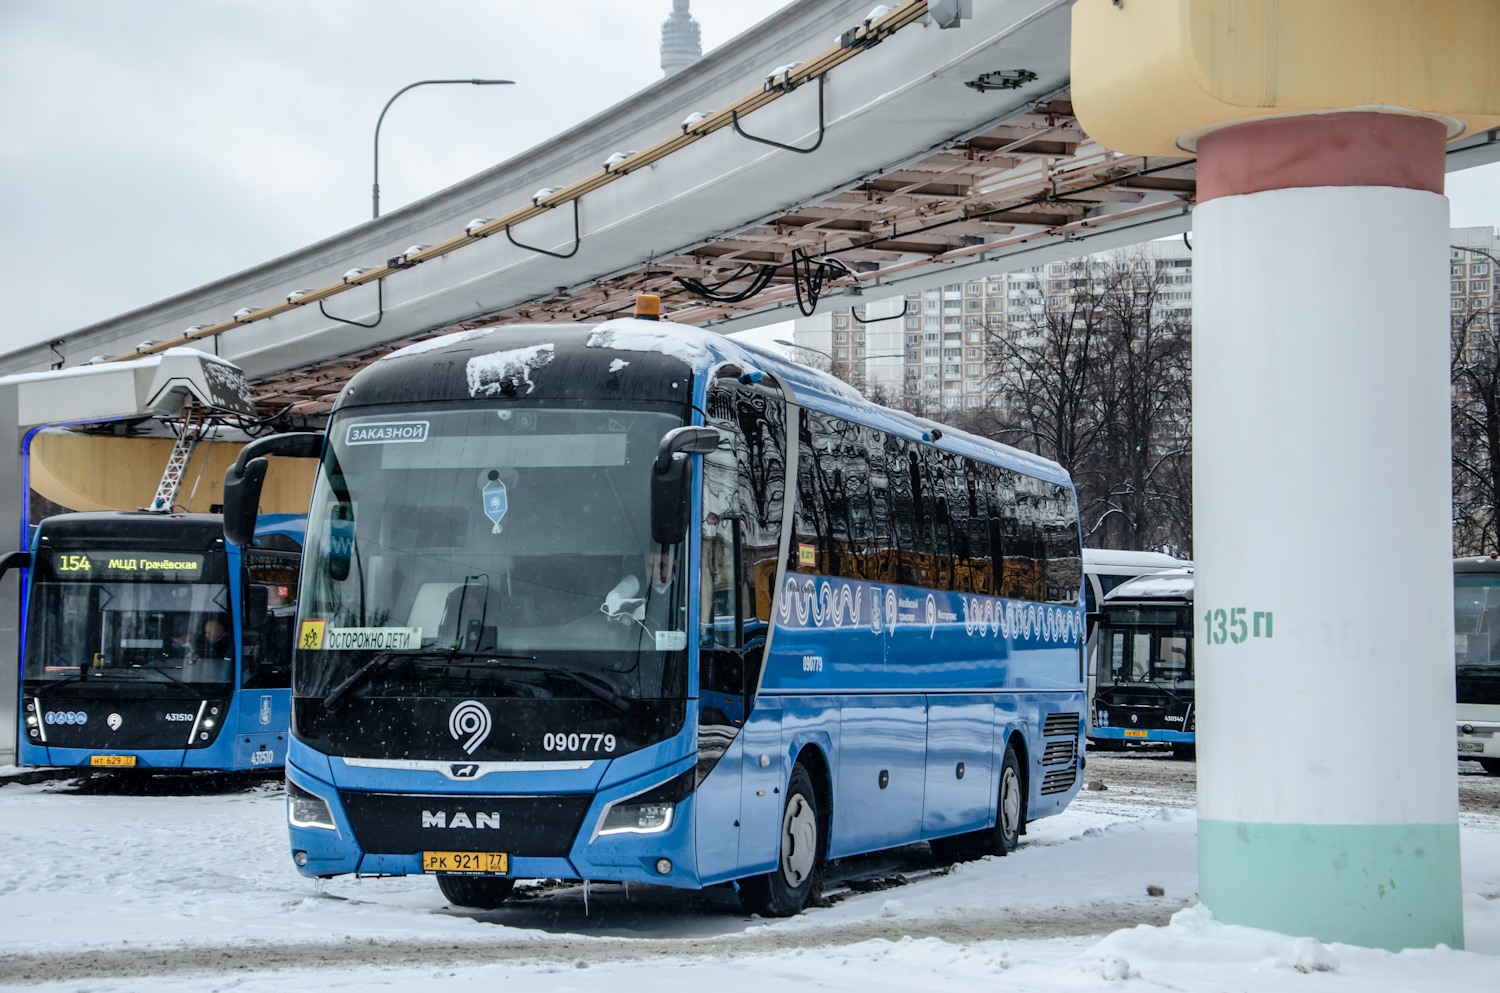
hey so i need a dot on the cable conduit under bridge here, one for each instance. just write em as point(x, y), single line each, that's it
point(899, 147)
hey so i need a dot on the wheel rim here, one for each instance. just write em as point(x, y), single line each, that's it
point(799, 840)
point(1010, 802)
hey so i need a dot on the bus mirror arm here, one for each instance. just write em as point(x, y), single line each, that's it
point(243, 479)
point(242, 500)
point(13, 560)
point(670, 474)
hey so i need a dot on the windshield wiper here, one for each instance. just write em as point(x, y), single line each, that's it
point(362, 675)
point(461, 653)
point(596, 687)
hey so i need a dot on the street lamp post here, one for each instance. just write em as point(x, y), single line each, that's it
point(833, 363)
point(375, 186)
point(836, 363)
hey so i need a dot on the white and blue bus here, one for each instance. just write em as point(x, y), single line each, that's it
point(150, 645)
point(1476, 637)
point(634, 602)
point(1141, 683)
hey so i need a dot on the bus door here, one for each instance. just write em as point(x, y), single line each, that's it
point(268, 602)
point(743, 484)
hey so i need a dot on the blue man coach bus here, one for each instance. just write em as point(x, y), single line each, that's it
point(149, 644)
point(633, 602)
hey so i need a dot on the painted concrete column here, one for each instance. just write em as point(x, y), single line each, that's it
point(1323, 638)
point(1322, 523)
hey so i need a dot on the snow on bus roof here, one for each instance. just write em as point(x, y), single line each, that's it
point(1124, 557)
point(1173, 583)
point(697, 348)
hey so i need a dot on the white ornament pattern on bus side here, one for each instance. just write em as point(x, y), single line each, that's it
point(824, 603)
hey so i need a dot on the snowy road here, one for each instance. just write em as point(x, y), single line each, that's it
point(117, 887)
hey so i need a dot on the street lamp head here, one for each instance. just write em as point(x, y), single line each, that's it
point(375, 185)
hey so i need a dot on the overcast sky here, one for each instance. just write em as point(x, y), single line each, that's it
point(152, 146)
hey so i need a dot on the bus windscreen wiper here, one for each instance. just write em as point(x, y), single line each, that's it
point(596, 687)
point(362, 675)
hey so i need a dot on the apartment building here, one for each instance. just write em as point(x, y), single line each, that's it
point(930, 349)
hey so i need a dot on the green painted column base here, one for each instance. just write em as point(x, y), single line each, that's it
point(1389, 886)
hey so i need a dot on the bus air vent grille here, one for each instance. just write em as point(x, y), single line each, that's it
point(1059, 780)
point(1059, 724)
point(1059, 752)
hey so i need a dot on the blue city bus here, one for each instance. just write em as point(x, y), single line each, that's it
point(150, 644)
point(1141, 651)
point(634, 602)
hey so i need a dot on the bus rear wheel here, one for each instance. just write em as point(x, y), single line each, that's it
point(478, 892)
point(1010, 815)
point(797, 879)
point(1491, 766)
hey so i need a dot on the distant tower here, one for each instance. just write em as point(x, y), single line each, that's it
point(680, 41)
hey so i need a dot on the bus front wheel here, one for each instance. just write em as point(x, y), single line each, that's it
point(798, 877)
point(1010, 817)
point(478, 892)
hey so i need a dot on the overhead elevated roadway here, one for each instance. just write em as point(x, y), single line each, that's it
point(896, 149)
point(821, 150)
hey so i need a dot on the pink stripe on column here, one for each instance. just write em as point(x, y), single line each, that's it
point(1353, 148)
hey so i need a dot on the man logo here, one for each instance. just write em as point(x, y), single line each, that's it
point(265, 709)
point(470, 718)
point(114, 721)
point(464, 770)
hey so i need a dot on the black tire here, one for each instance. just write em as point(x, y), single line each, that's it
point(478, 892)
point(1491, 766)
point(1010, 809)
point(798, 877)
point(1184, 751)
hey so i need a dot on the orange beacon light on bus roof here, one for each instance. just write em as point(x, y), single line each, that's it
point(648, 307)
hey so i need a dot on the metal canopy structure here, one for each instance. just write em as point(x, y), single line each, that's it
point(831, 149)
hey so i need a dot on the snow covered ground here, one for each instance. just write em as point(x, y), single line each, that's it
point(193, 889)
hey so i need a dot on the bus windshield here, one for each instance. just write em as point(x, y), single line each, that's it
point(1476, 621)
point(139, 631)
point(1145, 645)
point(491, 551)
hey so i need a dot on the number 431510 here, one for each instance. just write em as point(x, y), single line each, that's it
point(1236, 625)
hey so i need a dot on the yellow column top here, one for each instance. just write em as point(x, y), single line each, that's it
point(1151, 76)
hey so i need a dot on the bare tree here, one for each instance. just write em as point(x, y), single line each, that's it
point(1045, 362)
point(1146, 410)
point(1094, 372)
point(1475, 374)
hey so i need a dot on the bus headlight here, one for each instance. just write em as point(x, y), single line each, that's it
point(305, 810)
point(648, 812)
point(637, 818)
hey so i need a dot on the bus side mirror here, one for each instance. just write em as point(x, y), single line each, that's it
point(670, 474)
point(243, 479)
point(13, 560)
point(256, 599)
point(242, 500)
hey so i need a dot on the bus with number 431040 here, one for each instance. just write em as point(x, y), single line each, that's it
point(634, 602)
